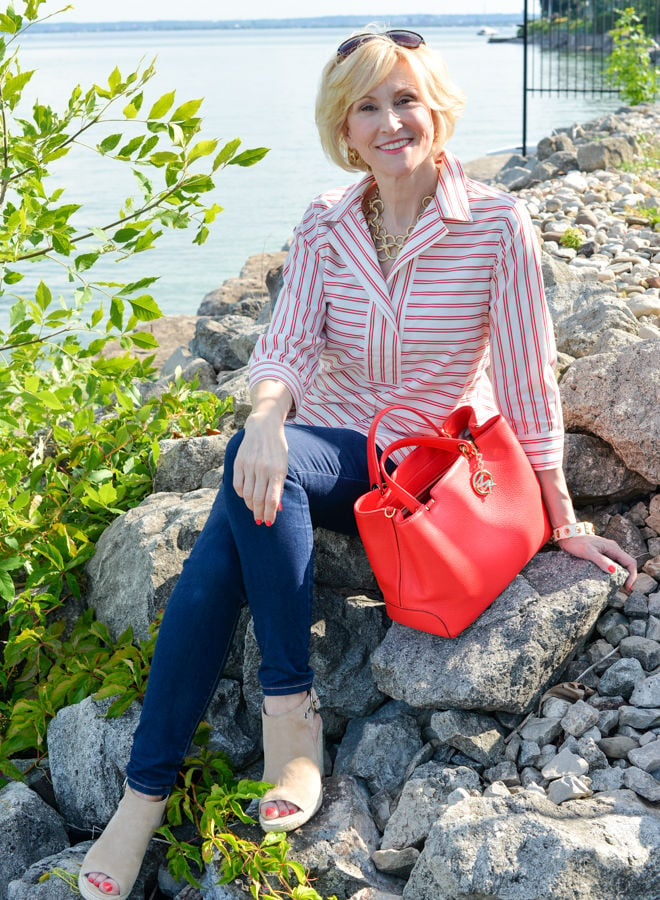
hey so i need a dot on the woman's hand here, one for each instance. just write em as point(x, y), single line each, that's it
point(603, 552)
point(262, 460)
point(597, 549)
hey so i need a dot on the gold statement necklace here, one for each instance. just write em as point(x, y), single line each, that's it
point(388, 246)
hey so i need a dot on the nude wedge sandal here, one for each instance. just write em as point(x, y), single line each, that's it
point(119, 852)
point(293, 762)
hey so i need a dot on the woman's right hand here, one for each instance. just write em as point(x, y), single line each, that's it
point(262, 460)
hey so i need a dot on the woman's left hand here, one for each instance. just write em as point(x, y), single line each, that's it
point(603, 552)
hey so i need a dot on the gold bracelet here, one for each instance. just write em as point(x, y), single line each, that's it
point(572, 529)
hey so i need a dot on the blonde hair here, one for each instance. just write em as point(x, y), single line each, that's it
point(343, 81)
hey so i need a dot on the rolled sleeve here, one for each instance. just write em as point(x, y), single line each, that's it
point(290, 349)
point(523, 352)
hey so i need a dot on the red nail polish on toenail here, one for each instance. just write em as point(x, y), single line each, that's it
point(611, 568)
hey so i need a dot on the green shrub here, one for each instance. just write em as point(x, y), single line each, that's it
point(629, 67)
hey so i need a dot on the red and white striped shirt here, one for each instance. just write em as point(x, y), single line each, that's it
point(461, 318)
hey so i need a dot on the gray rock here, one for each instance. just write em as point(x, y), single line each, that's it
point(236, 385)
point(396, 862)
point(549, 145)
point(603, 154)
point(227, 342)
point(639, 717)
point(616, 396)
point(421, 801)
point(479, 737)
point(529, 753)
point(647, 692)
point(646, 757)
point(579, 333)
point(589, 750)
point(641, 648)
point(29, 830)
point(88, 755)
point(345, 630)
point(607, 779)
point(617, 747)
point(523, 847)
point(596, 474)
point(557, 272)
point(152, 540)
point(621, 678)
point(541, 731)
point(374, 894)
point(613, 625)
point(504, 772)
point(338, 843)
point(378, 751)
point(579, 718)
point(627, 535)
point(39, 883)
point(340, 561)
point(564, 764)
point(568, 296)
point(229, 732)
point(643, 784)
point(515, 178)
point(608, 721)
point(183, 463)
point(505, 659)
point(570, 787)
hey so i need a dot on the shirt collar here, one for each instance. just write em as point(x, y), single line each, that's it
point(451, 198)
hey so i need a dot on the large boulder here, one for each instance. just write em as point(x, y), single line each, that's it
point(184, 462)
point(580, 333)
point(524, 846)
point(88, 754)
point(29, 830)
point(152, 541)
point(616, 396)
point(511, 653)
point(226, 342)
point(596, 474)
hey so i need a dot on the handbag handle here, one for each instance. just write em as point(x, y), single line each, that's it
point(460, 447)
point(372, 455)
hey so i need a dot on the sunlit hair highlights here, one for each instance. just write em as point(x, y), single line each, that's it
point(344, 81)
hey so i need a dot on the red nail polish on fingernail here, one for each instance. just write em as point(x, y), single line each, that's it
point(280, 507)
point(611, 568)
point(258, 521)
point(268, 524)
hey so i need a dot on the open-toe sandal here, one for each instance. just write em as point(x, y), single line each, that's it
point(293, 762)
point(119, 852)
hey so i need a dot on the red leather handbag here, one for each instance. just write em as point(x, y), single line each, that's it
point(455, 522)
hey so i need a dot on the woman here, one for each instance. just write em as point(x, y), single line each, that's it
point(404, 288)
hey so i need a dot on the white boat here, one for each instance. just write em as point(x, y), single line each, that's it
point(486, 31)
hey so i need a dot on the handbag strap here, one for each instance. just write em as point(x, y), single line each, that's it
point(372, 454)
point(453, 445)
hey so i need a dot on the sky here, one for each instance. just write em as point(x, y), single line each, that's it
point(145, 10)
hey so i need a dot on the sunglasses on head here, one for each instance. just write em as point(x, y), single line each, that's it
point(401, 36)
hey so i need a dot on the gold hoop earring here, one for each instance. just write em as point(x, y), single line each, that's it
point(353, 157)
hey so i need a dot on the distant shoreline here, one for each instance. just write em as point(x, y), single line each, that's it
point(410, 21)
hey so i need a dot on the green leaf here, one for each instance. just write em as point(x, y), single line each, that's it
point(226, 153)
point(249, 157)
point(114, 79)
point(43, 295)
point(161, 106)
point(202, 148)
point(130, 111)
point(10, 277)
point(6, 587)
point(145, 308)
point(109, 143)
point(145, 340)
point(186, 111)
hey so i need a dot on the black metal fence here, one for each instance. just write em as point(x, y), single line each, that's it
point(567, 44)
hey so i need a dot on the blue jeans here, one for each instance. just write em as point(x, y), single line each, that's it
point(233, 560)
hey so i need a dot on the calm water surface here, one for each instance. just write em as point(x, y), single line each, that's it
point(260, 86)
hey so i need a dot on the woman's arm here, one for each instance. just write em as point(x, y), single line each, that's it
point(262, 460)
point(592, 547)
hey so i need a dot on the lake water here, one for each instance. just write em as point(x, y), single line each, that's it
point(260, 85)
